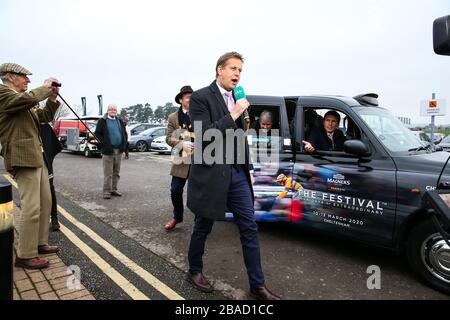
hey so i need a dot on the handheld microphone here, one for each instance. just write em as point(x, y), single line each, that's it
point(239, 94)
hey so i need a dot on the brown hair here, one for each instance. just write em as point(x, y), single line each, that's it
point(334, 114)
point(225, 57)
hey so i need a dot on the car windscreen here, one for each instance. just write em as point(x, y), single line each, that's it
point(391, 132)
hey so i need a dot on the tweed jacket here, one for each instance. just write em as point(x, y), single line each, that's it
point(174, 139)
point(20, 120)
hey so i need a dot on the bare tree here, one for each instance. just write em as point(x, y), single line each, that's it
point(64, 111)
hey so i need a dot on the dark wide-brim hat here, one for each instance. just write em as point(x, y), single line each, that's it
point(183, 90)
point(13, 68)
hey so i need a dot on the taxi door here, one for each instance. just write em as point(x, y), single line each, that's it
point(272, 156)
point(342, 193)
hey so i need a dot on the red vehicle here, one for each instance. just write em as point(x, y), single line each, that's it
point(73, 134)
point(60, 126)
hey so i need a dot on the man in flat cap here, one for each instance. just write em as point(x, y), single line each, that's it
point(24, 158)
point(178, 129)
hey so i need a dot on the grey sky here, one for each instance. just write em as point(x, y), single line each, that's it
point(143, 51)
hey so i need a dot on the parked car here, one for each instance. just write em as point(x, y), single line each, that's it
point(137, 128)
point(160, 145)
point(141, 142)
point(437, 137)
point(370, 192)
point(422, 136)
point(445, 143)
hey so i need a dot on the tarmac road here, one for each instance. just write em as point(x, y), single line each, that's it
point(298, 263)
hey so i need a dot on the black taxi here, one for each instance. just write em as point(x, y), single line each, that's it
point(370, 191)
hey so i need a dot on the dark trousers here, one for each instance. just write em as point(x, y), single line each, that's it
point(54, 212)
point(241, 205)
point(176, 193)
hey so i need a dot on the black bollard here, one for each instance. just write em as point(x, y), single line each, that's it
point(6, 241)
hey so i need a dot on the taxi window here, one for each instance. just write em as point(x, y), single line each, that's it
point(263, 134)
point(264, 127)
point(317, 131)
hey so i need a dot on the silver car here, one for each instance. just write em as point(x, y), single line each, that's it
point(445, 143)
point(141, 142)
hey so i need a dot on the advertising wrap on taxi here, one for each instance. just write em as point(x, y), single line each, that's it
point(323, 196)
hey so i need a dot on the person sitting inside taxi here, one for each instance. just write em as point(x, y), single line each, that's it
point(328, 137)
point(265, 122)
point(263, 129)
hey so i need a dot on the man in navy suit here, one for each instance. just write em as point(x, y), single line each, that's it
point(220, 185)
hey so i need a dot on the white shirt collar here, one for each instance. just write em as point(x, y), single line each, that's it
point(222, 90)
point(109, 117)
point(184, 111)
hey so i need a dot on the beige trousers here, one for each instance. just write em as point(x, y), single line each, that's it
point(111, 170)
point(35, 207)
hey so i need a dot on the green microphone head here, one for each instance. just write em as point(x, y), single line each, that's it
point(239, 93)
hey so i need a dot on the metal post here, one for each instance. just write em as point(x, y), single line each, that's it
point(83, 103)
point(433, 97)
point(6, 241)
point(100, 105)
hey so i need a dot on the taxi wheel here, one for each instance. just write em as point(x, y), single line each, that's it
point(429, 255)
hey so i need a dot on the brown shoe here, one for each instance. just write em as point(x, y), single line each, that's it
point(116, 194)
point(262, 293)
point(33, 263)
point(171, 224)
point(200, 282)
point(46, 249)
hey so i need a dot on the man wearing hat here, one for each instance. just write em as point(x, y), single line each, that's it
point(24, 158)
point(179, 131)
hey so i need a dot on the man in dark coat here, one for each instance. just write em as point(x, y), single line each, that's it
point(223, 181)
point(113, 138)
point(52, 147)
point(328, 137)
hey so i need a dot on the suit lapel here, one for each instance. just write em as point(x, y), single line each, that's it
point(219, 97)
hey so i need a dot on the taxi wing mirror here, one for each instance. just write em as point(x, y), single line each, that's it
point(357, 148)
point(441, 36)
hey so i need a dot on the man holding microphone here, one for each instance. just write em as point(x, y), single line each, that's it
point(25, 160)
point(215, 188)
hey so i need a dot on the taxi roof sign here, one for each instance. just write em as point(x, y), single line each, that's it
point(367, 99)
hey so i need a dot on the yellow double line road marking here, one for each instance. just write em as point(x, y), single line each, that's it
point(148, 277)
point(104, 266)
point(131, 290)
